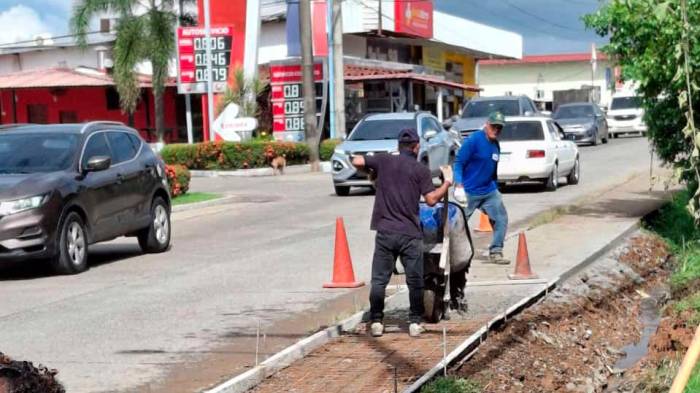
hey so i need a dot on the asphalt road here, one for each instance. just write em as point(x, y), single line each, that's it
point(131, 317)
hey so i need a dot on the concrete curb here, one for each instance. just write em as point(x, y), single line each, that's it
point(251, 378)
point(471, 344)
point(260, 172)
point(198, 205)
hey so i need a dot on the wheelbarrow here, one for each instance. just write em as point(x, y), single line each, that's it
point(448, 250)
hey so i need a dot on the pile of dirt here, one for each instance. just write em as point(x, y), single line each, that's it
point(572, 340)
point(24, 377)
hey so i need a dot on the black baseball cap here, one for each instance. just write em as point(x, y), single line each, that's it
point(408, 135)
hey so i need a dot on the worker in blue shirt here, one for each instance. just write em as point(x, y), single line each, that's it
point(475, 178)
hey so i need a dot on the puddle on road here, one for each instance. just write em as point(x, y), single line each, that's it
point(649, 317)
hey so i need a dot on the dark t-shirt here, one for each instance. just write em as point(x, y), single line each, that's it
point(401, 180)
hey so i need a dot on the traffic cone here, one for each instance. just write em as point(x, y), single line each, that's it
point(522, 262)
point(484, 223)
point(343, 274)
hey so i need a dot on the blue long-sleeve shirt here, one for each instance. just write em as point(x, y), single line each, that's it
point(476, 164)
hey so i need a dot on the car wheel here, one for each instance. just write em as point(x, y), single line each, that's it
point(342, 190)
point(156, 237)
point(552, 182)
point(72, 246)
point(575, 174)
point(595, 139)
point(605, 139)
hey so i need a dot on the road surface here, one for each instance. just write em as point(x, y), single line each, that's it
point(132, 318)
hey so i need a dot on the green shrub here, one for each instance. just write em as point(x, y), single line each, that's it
point(452, 385)
point(178, 178)
point(234, 155)
point(327, 147)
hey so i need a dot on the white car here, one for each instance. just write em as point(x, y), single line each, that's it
point(626, 115)
point(535, 149)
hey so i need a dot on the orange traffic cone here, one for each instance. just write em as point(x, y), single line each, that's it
point(484, 223)
point(343, 274)
point(522, 262)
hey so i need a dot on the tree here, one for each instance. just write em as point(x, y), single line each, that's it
point(244, 93)
point(145, 32)
point(655, 43)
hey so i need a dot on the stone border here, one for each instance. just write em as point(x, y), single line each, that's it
point(260, 172)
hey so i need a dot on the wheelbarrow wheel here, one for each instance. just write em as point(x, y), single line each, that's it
point(433, 305)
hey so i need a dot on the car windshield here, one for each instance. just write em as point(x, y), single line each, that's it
point(517, 131)
point(485, 108)
point(370, 130)
point(625, 103)
point(36, 153)
point(573, 112)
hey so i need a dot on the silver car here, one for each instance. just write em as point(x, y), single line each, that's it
point(378, 133)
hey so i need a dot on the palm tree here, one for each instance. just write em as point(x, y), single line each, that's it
point(145, 32)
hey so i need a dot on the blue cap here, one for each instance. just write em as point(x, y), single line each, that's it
point(408, 135)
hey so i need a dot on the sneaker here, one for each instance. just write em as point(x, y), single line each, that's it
point(415, 329)
point(377, 329)
point(497, 258)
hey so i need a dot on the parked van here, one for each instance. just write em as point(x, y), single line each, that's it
point(625, 115)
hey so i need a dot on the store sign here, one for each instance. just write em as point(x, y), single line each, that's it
point(434, 58)
point(192, 59)
point(288, 99)
point(414, 18)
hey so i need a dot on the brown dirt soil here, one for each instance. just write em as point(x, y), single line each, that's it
point(571, 345)
point(24, 377)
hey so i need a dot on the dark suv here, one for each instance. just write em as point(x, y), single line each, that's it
point(64, 187)
point(477, 110)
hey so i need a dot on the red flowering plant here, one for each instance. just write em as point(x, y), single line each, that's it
point(178, 179)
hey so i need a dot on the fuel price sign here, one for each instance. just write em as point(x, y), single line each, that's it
point(192, 58)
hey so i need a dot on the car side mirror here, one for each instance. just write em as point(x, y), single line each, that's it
point(430, 134)
point(98, 163)
point(447, 124)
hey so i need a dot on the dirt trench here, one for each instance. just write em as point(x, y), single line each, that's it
point(574, 340)
point(24, 377)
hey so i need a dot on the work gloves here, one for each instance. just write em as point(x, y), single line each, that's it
point(460, 195)
point(447, 175)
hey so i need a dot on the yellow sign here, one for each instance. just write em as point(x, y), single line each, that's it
point(434, 58)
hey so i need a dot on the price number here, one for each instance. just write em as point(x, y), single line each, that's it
point(294, 124)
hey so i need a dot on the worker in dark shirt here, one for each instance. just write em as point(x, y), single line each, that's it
point(400, 182)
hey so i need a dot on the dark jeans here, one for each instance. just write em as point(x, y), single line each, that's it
point(387, 247)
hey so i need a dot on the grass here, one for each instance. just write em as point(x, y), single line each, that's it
point(676, 225)
point(194, 197)
point(452, 385)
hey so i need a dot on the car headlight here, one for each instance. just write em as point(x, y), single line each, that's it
point(20, 205)
point(576, 128)
point(340, 151)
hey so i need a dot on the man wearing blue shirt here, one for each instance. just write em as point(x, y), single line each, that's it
point(475, 170)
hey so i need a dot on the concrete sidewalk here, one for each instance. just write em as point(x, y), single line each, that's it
point(356, 362)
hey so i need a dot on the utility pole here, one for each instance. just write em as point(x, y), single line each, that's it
point(338, 69)
point(210, 84)
point(308, 88)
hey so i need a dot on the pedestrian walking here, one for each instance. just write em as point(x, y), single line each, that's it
point(475, 175)
point(400, 182)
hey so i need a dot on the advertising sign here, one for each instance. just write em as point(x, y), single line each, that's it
point(414, 18)
point(192, 58)
point(230, 127)
point(288, 99)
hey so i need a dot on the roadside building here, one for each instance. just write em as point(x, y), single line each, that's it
point(539, 77)
point(412, 57)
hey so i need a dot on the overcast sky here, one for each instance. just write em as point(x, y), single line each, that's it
point(547, 26)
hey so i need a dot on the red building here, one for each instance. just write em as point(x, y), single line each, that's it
point(63, 95)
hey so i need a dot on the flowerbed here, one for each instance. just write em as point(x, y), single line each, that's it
point(233, 155)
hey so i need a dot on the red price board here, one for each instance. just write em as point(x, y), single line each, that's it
point(288, 99)
point(192, 58)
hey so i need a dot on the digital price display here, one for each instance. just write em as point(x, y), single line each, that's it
point(192, 58)
point(288, 99)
